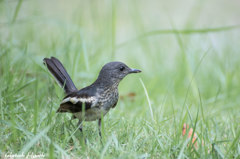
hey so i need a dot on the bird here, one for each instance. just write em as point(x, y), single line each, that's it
point(93, 102)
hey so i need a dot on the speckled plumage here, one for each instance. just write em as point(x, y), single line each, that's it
point(102, 102)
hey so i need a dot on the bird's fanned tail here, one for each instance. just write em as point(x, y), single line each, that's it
point(58, 71)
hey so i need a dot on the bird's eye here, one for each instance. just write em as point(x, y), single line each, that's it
point(122, 68)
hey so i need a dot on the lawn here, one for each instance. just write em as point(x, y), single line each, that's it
point(189, 55)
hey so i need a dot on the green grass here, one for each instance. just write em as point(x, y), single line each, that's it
point(190, 65)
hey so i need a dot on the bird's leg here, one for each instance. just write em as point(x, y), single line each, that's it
point(80, 125)
point(81, 129)
point(99, 127)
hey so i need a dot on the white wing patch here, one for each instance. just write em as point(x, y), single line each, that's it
point(74, 100)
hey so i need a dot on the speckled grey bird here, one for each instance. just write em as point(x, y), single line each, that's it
point(94, 101)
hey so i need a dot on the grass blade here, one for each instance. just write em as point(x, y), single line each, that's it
point(34, 140)
point(148, 99)
point(17, 11)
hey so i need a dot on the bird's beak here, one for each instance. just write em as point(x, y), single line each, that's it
point(134, 71)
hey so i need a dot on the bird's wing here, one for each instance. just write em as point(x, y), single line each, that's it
point(77, 102)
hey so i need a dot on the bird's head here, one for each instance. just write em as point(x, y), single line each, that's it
point(116, 71)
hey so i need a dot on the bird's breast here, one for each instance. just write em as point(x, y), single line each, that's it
point(106, 100)
point(91, 114)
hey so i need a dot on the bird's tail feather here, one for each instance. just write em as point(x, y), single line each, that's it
point(58, 71)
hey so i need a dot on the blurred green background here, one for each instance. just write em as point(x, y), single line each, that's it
point(188, 52)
